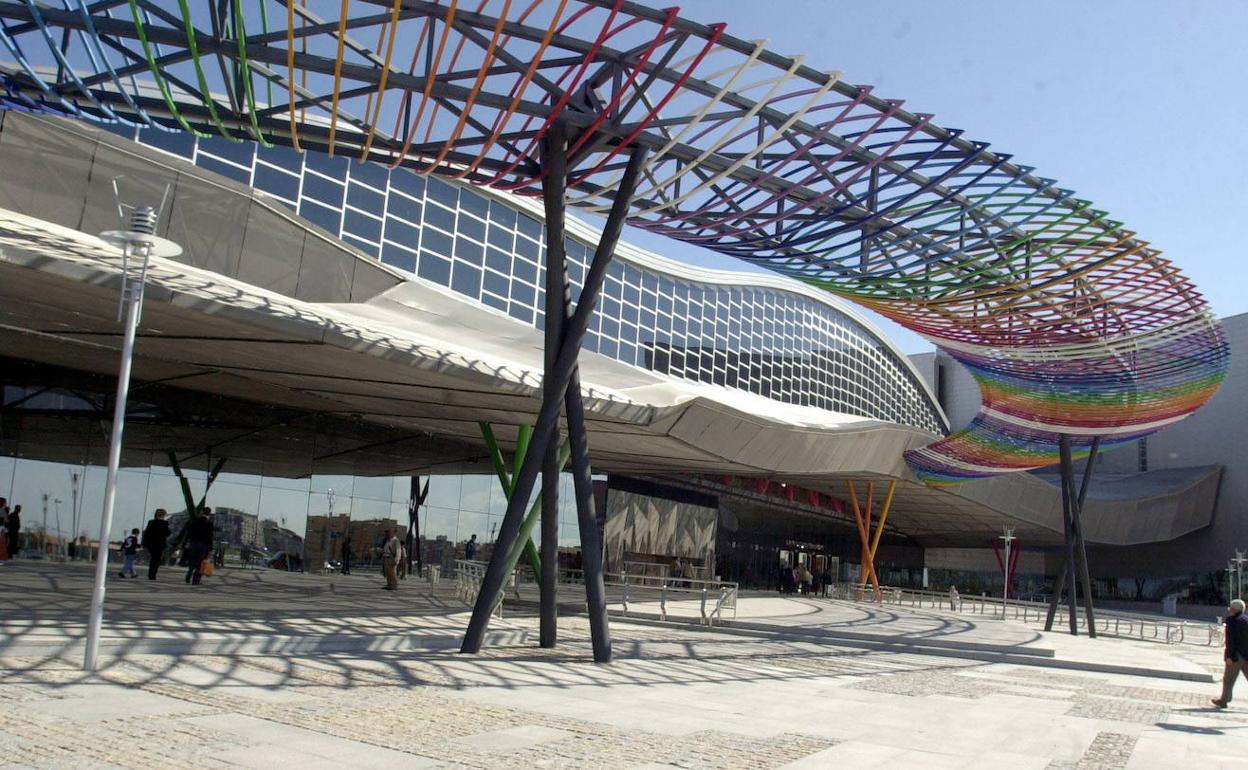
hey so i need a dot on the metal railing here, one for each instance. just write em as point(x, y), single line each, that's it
point(1108, 623)
point(468, 577)
point(720, 594)
point(714, 597)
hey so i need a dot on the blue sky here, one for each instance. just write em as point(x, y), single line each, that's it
point(1138, 105)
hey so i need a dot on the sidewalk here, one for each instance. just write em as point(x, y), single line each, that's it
point(931, 631)
point(676, 695)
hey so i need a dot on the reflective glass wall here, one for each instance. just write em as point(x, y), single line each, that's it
point(263, 515)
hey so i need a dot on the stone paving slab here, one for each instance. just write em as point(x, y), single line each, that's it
point(676, 696)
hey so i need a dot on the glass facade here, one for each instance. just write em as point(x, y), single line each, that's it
point(781, 344)
point(265, 513)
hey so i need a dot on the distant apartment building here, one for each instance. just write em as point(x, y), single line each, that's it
point(236, 527)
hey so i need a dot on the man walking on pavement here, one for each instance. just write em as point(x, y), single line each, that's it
point(1236, 653)
point(155, 538)
point(390, 560)
point(199, 537)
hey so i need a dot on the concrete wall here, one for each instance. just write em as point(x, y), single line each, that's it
point(62, 171)
point(980, 560)
point(960, 395)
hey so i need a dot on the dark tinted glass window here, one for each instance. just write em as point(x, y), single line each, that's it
point(240, 175)
point(276, 182)
point(361, 226)
point(365, 199)
point(322, 190)
point(400, 258)
point(440, 217)
point(466, 280)
point(434, 268)
point(399, 206)
point(443, 193)
point(373, 174)
point(328, 218)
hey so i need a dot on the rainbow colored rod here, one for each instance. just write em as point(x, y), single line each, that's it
point(1069, 322)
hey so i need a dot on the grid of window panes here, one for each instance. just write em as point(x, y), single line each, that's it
point(766, 341)
point(271, 513)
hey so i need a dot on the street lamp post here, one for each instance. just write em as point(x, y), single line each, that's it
point(329, 520)
point(43, 536)
point(139, 242)
point(73, 513)
point(1239, 574)
point(57, 503)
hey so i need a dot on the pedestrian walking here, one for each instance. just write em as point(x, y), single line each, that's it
point(1235, 654)
point(390, 560)
point(806, 578)
point(470, 548)
point(199, 536)
point(346, 554)
point(826, 582)
point(155, 538)
point(402, 564)
point(955, 601)
point(130, 551)
point(4, 539)
point(13, 522)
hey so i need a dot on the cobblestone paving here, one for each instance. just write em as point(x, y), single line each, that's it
point(1109, 751)
point(921, 684)
point(1089, 697)
point(1115, 709)
point(416, 704)
point(379, 712)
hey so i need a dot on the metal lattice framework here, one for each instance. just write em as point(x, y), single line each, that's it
point(1071, 324)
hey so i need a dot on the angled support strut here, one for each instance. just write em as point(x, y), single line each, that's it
point(560, 376)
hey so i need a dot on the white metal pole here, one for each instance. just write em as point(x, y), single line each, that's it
point(73, 488)
point(1007, 536)
point(96, 617)
point(1239, 574)
point(61, 547)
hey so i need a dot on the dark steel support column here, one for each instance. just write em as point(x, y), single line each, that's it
point(1060, 584)
point(1068, 505)
point(587, 519)
point(548, 417)
point(555, 166)
point(1076, 554)
point(1076, 525)
point(416, 499)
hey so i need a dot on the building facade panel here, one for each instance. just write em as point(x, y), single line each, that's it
point(782, 344)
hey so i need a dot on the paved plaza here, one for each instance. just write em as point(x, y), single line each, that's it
point(386, 687)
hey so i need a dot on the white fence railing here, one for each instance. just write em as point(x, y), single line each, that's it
point(714, 597)
point(1108, 623)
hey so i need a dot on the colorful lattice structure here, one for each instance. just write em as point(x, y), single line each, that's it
point(1071, 324)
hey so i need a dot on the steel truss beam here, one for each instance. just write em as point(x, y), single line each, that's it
point(1052, 304)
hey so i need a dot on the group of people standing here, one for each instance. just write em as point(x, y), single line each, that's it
point(801, 580)
point(196, 546)
point(10, 530)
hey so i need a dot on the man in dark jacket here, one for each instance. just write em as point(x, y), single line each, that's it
point(155, 538)
point(199, 536)
point(1236, 653)
point(14, 524)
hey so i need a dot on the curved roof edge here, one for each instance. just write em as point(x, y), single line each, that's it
point(720, 277)
point(575, 227)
